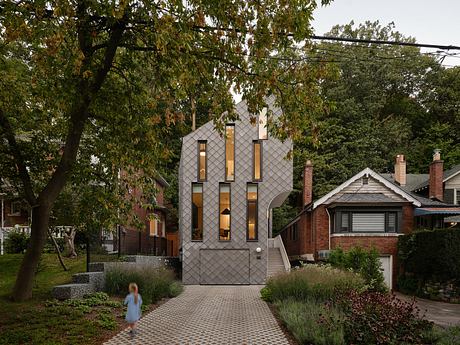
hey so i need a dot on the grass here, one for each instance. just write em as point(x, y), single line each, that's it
point(41, 321)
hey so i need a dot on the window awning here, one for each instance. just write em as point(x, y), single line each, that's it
point(426, 211)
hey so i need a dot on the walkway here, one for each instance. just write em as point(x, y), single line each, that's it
point(442, 314)
point(207, 315)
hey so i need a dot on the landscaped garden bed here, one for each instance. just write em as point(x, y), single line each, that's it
point(322, 305)
point(90, 320)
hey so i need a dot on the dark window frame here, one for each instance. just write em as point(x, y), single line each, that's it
point(205, 142)
point(234, 152)
point(260, 143)
point(256, 239)
point(202, 211)
point(337, 219)
point(230, 215)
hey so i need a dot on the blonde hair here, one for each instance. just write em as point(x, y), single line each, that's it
point(133, 289)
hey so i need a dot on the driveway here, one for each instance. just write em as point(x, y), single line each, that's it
point(442, 314)
point(209, 315)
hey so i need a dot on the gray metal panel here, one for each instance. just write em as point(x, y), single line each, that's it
point(219, 266)
point(277, 179)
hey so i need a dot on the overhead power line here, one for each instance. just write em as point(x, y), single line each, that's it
point(394, 43)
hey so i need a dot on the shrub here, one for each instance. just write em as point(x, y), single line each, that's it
point(266, 294)
point(431, 255)
point(312, 323)
point(380, 318)
point(313, 282)
point(363, 262)
point(16, 242)
point(154, 283)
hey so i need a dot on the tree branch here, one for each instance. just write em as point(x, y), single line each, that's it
point(19, 159)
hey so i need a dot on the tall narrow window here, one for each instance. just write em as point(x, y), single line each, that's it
point(263, 132)
point(224, 212)
point(257, 160)
point(202, 161)
point(230, 153)
point(251, 198)
point(197, 212)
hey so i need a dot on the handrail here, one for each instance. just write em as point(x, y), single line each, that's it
point(279, 244)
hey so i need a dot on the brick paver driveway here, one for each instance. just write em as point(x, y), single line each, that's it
point(221, 315)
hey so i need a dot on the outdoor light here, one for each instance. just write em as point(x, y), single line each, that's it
point(258, 249)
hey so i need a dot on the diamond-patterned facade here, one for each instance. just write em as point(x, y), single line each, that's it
point(222, 265)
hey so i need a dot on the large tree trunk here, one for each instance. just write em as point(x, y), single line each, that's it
point(25, 278)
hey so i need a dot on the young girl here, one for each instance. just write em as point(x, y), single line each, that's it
point(134, 302)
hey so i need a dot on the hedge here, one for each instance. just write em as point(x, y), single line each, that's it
point(431, 255)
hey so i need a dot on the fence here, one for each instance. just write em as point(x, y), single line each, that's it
point(56, 231)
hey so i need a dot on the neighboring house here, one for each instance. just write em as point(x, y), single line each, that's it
point(228, 185)
point(153, 238)
point(14, 211)
point(368, 210)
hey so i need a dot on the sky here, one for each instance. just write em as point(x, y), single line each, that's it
point(431, 22)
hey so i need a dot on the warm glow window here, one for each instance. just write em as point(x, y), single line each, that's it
point(153, 227)
point(251, 227)
point(263, 131)
point(257, 161)
point(224, 212)
point(197, 212)
point(230, 153)
point(202, 162)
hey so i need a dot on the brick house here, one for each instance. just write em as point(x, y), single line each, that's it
point(369, 210)
point(153, 237)
point(228, 185)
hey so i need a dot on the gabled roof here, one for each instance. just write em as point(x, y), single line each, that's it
point(412, 180)
point(368, 172)
point(448, 174)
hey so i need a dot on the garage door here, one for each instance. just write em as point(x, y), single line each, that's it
point(386, 265)
point(219, 266)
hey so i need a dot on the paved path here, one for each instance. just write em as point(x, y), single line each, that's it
point(443, 314)
point(202, 315)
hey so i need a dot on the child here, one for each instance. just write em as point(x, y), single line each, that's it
point(134, 302)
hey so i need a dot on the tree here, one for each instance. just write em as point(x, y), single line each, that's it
point(106, 79)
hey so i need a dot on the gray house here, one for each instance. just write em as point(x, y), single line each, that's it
point(228, 186)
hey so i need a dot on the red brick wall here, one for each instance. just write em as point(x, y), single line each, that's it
point(12, 220)
point(320, 229)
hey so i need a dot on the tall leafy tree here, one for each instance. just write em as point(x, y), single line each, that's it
point(105, 79)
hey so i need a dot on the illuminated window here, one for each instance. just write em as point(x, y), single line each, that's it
point(230, 153)
point(263, 132)
point(257, 161)
point(153, 227)
point(202, 162)
point(251, 226)
point(197, 212)
point(224, 212)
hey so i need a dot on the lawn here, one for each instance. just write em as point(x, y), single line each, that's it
point(41, 321)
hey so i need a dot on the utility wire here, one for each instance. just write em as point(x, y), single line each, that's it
point(394, 43)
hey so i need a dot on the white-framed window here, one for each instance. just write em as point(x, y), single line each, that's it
point(457, 196)
point(15, 209)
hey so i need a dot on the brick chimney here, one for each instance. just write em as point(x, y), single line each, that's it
point(307, 183)
point(436, 190)
point(400, 170)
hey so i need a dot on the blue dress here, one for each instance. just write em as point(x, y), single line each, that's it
point(134, 310)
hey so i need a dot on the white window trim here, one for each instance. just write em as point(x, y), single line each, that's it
point(18, 213)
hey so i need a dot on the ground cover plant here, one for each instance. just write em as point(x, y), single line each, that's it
point(88, 321)
point(325, 305)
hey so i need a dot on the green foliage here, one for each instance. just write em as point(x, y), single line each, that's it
point(154, 283)
point(312, 282)
point(361, 261)
point(266, 294)
point(312, 323)
point(381, 319)
point(16, 242)
point(431, 255)
point(444, 336)
point(282, 216)
point(106, 321)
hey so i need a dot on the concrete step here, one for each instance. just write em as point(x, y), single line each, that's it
point(97, 279)
point(70, 291)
